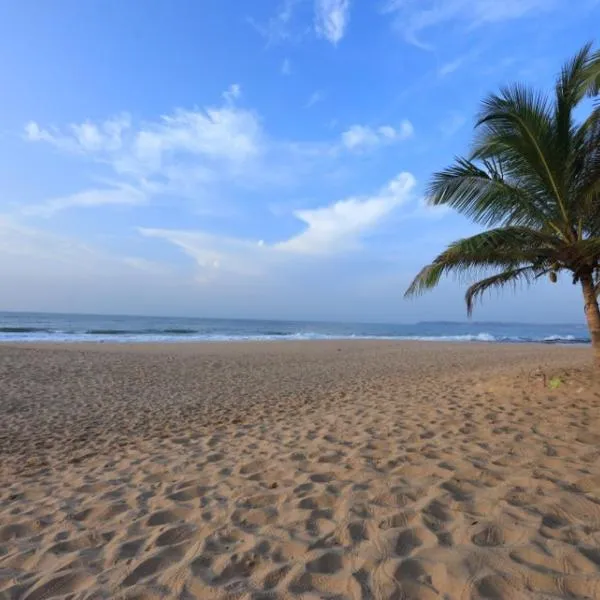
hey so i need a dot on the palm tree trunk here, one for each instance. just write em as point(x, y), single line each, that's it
point(592, 314)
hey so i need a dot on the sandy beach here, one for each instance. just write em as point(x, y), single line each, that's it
point(305, 470)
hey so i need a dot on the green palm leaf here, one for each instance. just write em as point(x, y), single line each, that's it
point(509, 277)
point(505, 247)
point(516, 129)
point(485, 196)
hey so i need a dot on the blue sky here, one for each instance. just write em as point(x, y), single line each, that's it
point(262, 159)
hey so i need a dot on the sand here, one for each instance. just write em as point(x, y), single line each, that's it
point(298, 470)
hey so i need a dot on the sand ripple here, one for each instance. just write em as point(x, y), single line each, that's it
point(360, 471)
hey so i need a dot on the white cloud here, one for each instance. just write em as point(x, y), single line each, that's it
point(40, 246)
point(314, 98)
point(214, 254)
point(84, 138)
point(279, 27)
point(413, 17)
point(331, 19)
point(186, 152)
point(33, 133)
point(361, 137)
point(50, 272)
point(147, 266)
point(450, 67)
point(17, 240)
point(286, 67)
point(232, 93)
point(224, 133)
point(330, 230)
point(339, 227)
point(201, 156)
point(123, 195)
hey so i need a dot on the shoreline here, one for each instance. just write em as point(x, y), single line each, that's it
point(300, 469)
point(291, 340)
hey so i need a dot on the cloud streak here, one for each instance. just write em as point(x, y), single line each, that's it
point(450, 67)
point(84, 138)
point(414, 17)
point(20, 241)
point(279, 27)
point(340, 226)
point(329, 230)
point(331, 19)
point(123, 195)
point(186, 153)
point(314, 98)
point(200, 155)
point(361, 137)
point(330, 22)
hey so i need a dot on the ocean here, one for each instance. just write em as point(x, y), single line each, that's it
point(38, 327)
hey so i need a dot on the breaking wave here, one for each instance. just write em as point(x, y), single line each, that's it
point(37, 334)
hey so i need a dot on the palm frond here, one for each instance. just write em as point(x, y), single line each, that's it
point(509, 277)
point(485, 196)
point(576, 80)
point(517, 128)
point(586, 156)
point(571, 87)
point(504, 247)
point(585, 173)
point(593, 75)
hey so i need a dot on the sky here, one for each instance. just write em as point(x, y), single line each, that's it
point(264, 159)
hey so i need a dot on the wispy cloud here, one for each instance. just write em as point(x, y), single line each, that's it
point(450, 67)
point(279, 27)
point(198, 156)
point(361, 137)
point(286, 67)
point(225, 133)
point(232, 93)
point(328, 230)
point(32, 243)
point(315, 98)
point(339, 227)
point(331, 19)
point(84, 138)
point(213, 254)
point(121, 195)
point(181, 153)
point(452, 124)
point(459, 62)
point(414, 17)
point(50, 271)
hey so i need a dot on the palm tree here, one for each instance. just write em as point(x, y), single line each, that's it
point(532, 179)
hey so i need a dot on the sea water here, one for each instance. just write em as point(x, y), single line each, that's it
point(38, 327)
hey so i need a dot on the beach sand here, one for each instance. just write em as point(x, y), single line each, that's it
point(298, 470)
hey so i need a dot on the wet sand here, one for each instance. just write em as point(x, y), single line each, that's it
point(298, 470)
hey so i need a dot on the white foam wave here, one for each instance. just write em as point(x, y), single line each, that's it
point(560, 338)
point(61, 336)
point(300, 336)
